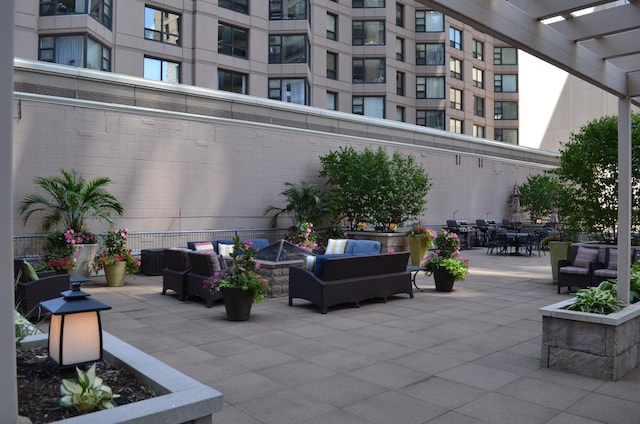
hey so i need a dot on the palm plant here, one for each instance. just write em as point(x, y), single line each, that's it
point(70, 199)
point(305, 203)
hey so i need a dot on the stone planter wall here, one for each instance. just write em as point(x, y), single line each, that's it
point(179, 398)
point(398, 242)
point(277, 274)
point(593, 345)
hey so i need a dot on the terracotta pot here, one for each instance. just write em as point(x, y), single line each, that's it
point(444, 279)
point(237, 303)
point(115, 274)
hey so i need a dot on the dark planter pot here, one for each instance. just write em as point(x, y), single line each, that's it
point(237, 303)
point(444, 279)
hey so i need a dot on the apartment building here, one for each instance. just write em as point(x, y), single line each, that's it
point(380, 58)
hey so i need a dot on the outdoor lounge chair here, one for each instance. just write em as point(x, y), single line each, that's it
point(174, 274)
point(578, 270)
point(29, 292)
point(202, 268)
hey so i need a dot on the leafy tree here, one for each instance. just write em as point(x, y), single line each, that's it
point(70, 199)
point(373, 187)
point(305, 203)
point(589, 171)
point(539, 193)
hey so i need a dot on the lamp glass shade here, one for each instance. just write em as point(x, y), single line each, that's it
point(75, 338)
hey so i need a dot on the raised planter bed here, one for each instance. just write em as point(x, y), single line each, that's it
point(593, 345)
point(180, 399)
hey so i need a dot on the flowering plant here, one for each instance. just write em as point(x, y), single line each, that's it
point(447, 255)
point(303, 236)
point(79, 237)
point(115, 250)
point(58, 253)
point(63, 264)
point(423, 232)
point(242, 272)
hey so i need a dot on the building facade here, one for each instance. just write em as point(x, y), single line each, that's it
point(380, 58)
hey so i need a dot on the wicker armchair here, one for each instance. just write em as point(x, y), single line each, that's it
point(578, 270)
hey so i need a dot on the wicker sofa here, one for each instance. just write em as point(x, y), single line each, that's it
point(338, 279)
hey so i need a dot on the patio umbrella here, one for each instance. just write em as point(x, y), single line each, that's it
point(553, 219)
point(516, 219)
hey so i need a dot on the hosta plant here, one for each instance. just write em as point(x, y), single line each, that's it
point(86, 393)
point(597, 300)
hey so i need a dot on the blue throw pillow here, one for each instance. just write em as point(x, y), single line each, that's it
point(366, 247)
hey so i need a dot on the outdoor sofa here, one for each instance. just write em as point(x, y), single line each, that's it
point(344, 278)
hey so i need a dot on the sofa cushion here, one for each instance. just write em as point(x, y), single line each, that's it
point(259, 243)
point(309, 262)
point(32, 275)
point(358, 247)
point(225, 249)
point(335, 246)
point(204, 246)
point(585, 256)
point(613, 259)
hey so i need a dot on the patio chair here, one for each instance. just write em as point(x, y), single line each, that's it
point(174, 274)
point(32, 289)
point(203, 266)
point(578, 270)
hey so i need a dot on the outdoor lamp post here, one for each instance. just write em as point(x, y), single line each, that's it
point(75, 331)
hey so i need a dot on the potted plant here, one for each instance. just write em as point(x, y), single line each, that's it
point(115, 258)
point(445, 263)
point(239, 284)
point(71, 200)
point(420, 240)
point(303, 236)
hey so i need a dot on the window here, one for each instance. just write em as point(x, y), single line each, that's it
point(100, 10)
point(241, 6)
point(160, 25)
point(289, 90)
point(430, 54)
point(358, 4)
point(287, 9)
point(455, 126)
point(430, 87)
point(505, 111)
point(505, 83)
point(455, 38)
point(332, 65)
point(368, 33)
point(161, 70)
point(235, 82)
point(233, 41)
point(75, 50)
point(505, 56)
point(455, 98)
point(368, 71)
point(478, 49)
point(332, 100)
point(506, 135)
point(430, 118)
point(368, 106)
point(288, 49)
point(401, 114)
point(400, 49)
point(478, 131)
point(400, 90)
point(455, 68)
point(332, 21)
point(478, 106)
point(429, 21)
point(478, 77)
point(400, 15)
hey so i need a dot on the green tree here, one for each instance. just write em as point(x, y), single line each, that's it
point(589, 172)
point(539, 193)
point(373, 187)
point(305, 203)
point(70, 199)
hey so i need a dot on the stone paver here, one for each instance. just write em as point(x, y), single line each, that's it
point(466, 357)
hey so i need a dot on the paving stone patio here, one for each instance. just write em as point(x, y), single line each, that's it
point(466, 357)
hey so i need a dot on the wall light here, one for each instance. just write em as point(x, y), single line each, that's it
point(75, 330)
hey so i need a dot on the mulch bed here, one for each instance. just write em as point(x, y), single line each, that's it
point(39, 386)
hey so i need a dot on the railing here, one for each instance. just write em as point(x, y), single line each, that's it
point(32, 245)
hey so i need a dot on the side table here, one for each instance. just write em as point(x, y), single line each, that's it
point(414, 270)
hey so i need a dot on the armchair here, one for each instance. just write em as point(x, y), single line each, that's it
point(578, 270)
point(174, 275)
point(29, 293)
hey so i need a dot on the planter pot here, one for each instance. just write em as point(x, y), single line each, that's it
point(592, 345)
point(237, 303)
point(115, 274)
point(419, 246)
point(558, 250)
point(84, 255)
point(444, 279)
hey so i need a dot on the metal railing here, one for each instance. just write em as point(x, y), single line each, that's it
point(32, 245)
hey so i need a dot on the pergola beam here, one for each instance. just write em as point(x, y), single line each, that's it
point(605, 22)
point(543, 9)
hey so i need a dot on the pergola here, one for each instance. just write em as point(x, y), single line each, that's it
point(597, 41)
